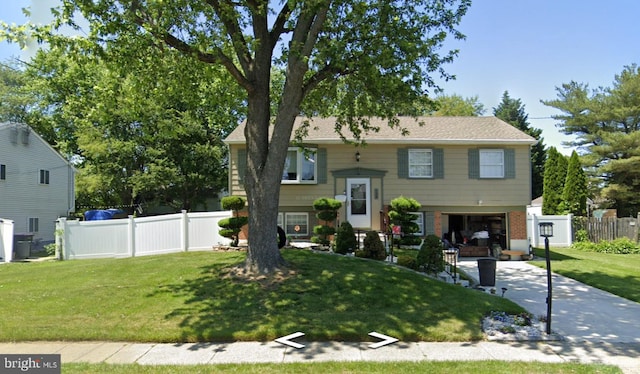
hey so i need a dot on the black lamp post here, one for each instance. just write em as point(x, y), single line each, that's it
point(546, 231)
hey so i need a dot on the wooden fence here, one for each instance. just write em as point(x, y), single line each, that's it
point(608, 228)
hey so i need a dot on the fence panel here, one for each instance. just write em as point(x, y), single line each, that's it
point(140, 236)
point(562, 230)
point(608, 228)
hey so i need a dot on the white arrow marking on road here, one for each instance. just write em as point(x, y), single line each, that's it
point(386, 340)
point(286, 340)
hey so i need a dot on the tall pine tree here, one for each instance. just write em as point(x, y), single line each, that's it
point(575, 187)
point(512, 111)
point(555, 173)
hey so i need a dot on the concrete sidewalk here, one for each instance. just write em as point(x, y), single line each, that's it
point(624, 355)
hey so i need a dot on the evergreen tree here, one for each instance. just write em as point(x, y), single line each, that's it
point(605, 123)
point(512, 111)
point(555, 173)
point(575, 187)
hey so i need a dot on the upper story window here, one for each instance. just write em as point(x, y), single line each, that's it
point(491, 163)
point(420, 163)
point(300, 166)
point(44, 176)
point(3, 171)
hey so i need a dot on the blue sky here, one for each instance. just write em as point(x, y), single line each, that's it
point(525, 47)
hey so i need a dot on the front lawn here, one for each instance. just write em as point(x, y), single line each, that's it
point(189, 297)
point(613, 273)
point(432, 367)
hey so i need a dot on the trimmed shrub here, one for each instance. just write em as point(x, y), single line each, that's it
point(231, 227)
point(373, 247)
point(401, 213)
point(430, 255)
point(327, 209)
point(346, 239)
point(408, 262)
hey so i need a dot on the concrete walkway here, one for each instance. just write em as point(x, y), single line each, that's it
point(579, 312)
point(598, 328)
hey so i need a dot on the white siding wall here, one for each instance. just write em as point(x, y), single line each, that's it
point(21, 194)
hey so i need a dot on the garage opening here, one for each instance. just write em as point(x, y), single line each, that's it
point(476, 229)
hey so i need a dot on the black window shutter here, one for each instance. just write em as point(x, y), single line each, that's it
point(403, 163)
point(438, 163)
point(474, 163)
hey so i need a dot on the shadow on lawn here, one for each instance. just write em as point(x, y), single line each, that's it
point(328, 297)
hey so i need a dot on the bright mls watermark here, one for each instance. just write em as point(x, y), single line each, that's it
point(30, 363)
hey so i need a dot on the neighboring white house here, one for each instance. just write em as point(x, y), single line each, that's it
point(37, 184)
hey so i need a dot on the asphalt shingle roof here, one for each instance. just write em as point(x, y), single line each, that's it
point(440, 130)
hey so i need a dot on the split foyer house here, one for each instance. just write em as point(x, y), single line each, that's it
point(36, 182)
point(470, 174)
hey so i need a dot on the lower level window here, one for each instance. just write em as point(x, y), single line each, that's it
point(296, 224)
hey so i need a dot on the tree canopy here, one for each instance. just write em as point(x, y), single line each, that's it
point(376, 57)
point(456, 105)
point(513, 112)
point(555, 174)
point(605, 123)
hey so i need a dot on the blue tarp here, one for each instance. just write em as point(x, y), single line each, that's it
point(102, 214)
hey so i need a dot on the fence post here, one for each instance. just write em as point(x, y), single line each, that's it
point(184, 230)
point(60, 232)
point(570, 229)
point(131, 236)
point(534, 231)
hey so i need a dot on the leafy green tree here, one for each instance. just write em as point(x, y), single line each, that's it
point(456, 105)
point(605, 124)
point(376, 57)
point(513, 112)
point(575, 187)
point(14, 100)
point(555, 174)
point(139, 131)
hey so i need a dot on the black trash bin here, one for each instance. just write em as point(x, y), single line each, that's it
point(487, 271)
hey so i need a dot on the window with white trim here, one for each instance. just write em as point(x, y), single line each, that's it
point(420, 163)
point(44, 176)
point(296, 224)
point(420, 222)
point(300, 166)
point(34, 224)
point(491, 163)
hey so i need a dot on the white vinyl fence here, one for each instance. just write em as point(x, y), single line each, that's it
point(143, 236)
point(562, 230)
point(6, 240)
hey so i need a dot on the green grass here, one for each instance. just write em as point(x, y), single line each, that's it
point(613, 273)
point(188, 297)
point(432, 367)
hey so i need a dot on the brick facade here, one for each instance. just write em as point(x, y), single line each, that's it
point(518, 225)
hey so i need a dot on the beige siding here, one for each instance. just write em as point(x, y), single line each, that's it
point(454, 190)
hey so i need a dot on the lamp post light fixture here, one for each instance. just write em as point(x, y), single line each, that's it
point(357, 156)
point(546, 231)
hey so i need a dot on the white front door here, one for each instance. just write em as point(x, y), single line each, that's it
point(359, 202)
